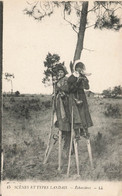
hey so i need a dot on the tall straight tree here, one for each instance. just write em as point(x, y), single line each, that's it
point(106, 12)
point(81, 33)
point(1, 31)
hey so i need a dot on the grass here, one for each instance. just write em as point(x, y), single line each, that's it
point(26, 126)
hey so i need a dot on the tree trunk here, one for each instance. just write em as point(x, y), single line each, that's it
point(81, 33)
point(1, 31)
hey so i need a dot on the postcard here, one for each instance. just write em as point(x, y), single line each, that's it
point(61, 98)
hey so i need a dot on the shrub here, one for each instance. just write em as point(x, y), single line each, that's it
point(12, 99)
point(47, 104)
point(99, 144)
point(23, 107)
point(112, 171)
point(112, 111)
point(22, 111)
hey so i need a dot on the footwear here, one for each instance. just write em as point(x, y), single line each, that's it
point(77, 137)
point(81, 132)
point(84, 134)
point(77, 134)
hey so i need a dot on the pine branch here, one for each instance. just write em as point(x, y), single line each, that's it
point(88, 49)
point(120, 3)
point(42, 7)
point(75, 8)
point(32, 3)
point(90, 26)
point(117, 9)
point(105, 8)
point(35, 11)
point(94, 8)
point(72, 25)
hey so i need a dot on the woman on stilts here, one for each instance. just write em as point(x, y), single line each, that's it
point(77, 82)
point(61, 106)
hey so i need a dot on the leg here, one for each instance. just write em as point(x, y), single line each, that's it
point(84, 132)
point(77, 134)
point(81, 132)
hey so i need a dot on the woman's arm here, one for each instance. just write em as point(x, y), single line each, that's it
point(72, 84)
point(83, 82)
point(75, 83)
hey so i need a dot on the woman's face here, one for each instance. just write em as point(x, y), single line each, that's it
point(79, 69)
point(60, 74)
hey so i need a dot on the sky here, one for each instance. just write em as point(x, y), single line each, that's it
point(26, 43)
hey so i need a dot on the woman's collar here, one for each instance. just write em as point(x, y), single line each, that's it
point(76, 74)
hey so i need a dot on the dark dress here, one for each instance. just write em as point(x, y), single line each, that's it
point(62, 105)
point(77, 99)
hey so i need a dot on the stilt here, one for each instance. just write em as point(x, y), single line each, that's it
point(90, 152)
point(76, 155)
point(71, 141)
point(48, 153)
point(60, 150)
point(49, 145)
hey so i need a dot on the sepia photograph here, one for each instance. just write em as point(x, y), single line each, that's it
point(61, 98)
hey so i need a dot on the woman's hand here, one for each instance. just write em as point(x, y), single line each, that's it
point(80, 78)
point(83, 78)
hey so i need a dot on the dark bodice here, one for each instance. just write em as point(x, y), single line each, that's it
point(62, 85)
point(76, 85)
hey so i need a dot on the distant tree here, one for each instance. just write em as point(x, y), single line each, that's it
point(117, 90)
point(107, 92)
point(17, 93)
point(9, 77)
point(51, 64)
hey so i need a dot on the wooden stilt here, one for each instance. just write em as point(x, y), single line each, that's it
point(90, 152)
point(49, 145)
point(60, 150)
point(48, 153)
point(71, 141)
point(76, 156)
